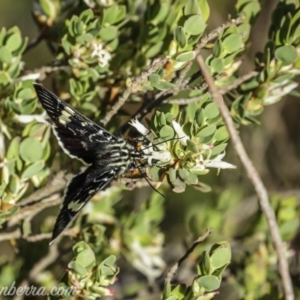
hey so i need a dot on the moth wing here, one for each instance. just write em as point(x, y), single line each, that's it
point(79, 191)
point(77, 135)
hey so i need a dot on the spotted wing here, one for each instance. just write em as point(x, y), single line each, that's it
point(78, 136)
point(79, 191)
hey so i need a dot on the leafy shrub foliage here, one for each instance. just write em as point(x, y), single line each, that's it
point(118, 60)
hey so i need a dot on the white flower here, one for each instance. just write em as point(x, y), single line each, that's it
point(139, 127)
point(182, 136)
point(202, 164)
point(147, 259)
point(102, 55)
point(160, 155)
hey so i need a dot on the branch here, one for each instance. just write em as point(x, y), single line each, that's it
point(57, 184)
point(256, 181)
point(174, 268)
point(136, 82)
point(41, 73)
point(17, 234)
point(222, 91)
point(31, 210)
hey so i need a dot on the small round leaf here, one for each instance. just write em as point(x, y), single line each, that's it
point(210, 283)
point(186, 56)
point(211, 111)
point(31, 149)
point(194, 25)
point(32, 170)
point(5, 55)
point(286, 54)
point(233, 43)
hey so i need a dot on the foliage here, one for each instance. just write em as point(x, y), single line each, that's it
point(110, 52)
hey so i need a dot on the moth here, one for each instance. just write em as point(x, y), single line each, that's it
point(106, 155)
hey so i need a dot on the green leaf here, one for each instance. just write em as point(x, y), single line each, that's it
point(191, 179)
point(217, 65)
point(194, 25)
point(186, 56)
point(209, 283)
point(31, 149)
point(86, 16)
point(164, 85)
point(14, 183)
point(233, 43)
point(200, 117)
point(191, 8)
point(220, 255)
point(192, 146)
point(26, 94)
point(167, 132)
point(183, 173)
point(218, 149)
point(204, 266)
point(32, 170)
point(48, 8)
point(154, 49)
point(221, 134)
point(77, 268)
point(180, 36)
point(163, 11)
point(286, 54)
point(109, 14)
point(154, 79)
point(155, 173)
point(5, 55)
point(13, 149)
point(109, 261)
point(86, 258)
point(207, 131)
point(14, 42)
point(204, 9)
point(211, 110)
point(108, 33)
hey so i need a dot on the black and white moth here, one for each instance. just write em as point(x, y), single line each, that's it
point(106, 155)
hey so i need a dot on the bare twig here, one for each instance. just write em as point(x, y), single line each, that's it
point(136, 82)
point(17, 234)
point(256, 181)
point(32, 210)
point(35, 41)
point(174, 268)
point(41, 73)
point(57, 184)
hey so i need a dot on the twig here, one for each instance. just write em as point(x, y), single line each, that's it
point(174, 268)
point(134, 85)
point(222, 91)
point(237, 82)
point(32, 210)
point(256, 181)
point(41, 73)
point(17, 234)
point(58, 183)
